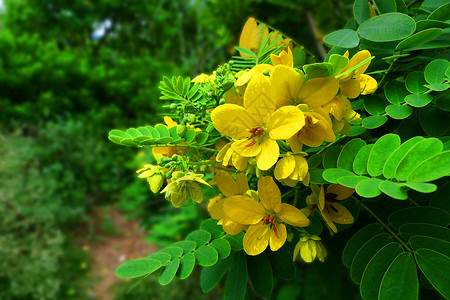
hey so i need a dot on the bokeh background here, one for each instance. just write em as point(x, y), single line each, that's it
point(71, 206)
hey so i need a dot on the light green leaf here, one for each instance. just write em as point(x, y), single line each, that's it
point(419, 38)
point(373, 122)
point(339, 62)
point(360, 162)
point(435, 70)
point(395, 92)
point(387, 27)
point(380, 153)
point(421, 187)
point(137, 267)
point(187, 246)
point(351, 181)
point(344, 38)
point(206, 256)
point(164, 258)
point(174, 252)
point(200, 237)
point(386, 6)
point(398, 112)
point(442, 13)
point(395, 158)
point(348, 154)
point(169, 272)
point(394, 190)
point(222, 247)
point(431, 169)
point(415, 81)
point(333, 174)
point(369, 188)
point(419, 100)
point(187, 263)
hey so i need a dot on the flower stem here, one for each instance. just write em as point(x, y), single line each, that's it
point(386, 227)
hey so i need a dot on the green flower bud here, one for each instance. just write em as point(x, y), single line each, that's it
point(309, 248)
point(222, 101)
point(181, 130)
point(191, 118)
point(173, 105)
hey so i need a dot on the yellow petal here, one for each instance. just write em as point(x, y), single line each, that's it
point(351, 88)
point(226, 183)
point(242, 183)
point(258, 70)
point(318, 91)
point(268, 155)
point(316, 130)
point(169, 122)
point(306, 252)
point(215, 207)
point(269, 194)
point(357, 59)
point(239, 161)
point(290, 182)
point(231, 227)
point(244, 210)
point(301, 168)
point(285, 122)
point(259, 100)
point(327, 218)
point(249, 37)
point(342, 192)
point(277, 239)
point(287, 83)
point(242, 147)
point(293, 216)
point(232, 96)
point(244, 78)
point(295, 143)
point(232, 120)
point(368, 84)
point(321, 198)
point(284, 167)
point(256, 239)
point(336, 107)
point(285, 58)
point(223, 152)
point(341, 215)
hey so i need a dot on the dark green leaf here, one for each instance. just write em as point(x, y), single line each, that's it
point(282, 264)
point(360, 162)
point(386, 6)
point(369, 188)
point(374, 105)
point(222, 247)
point(381, 150)
point(418, 100)
point(314, 161)
point(331, 157)
point(414, 82)
point(361, 11)
point(211, 226)
point(348, 154)
point(260, 274)
point(358, 240)
point(211, 276)
point(400, 280)
point(440, 198)
point(419, 38)
point(431, 169)
point(436, 268)
point(431, 5)
point(376, 268)
point(387, 27)
point(236, 284)
point(200, 237)
point(235, 241)
point(424, 24)
point(315, 176)
point(344, 38)
point(373, 122)
point(206, 256)
point(434, 121)
point(435, 71)
point(421, 214)
point(431, 230)
point(356, 130)
point(137, 267)
point(395, 158)
point(425, 242)
point(365, 253)
point(441, 13)
point(169, 272)
point(201, 138)
point(395, 92)
point(187, 263)
point(398, 111)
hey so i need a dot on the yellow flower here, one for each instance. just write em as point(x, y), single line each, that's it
point(318, 128)
point(204, 78)
point(184, 187)
point(265, 217)
point(356, 82)
point(167, 151)
point(229, 187)
point(291, 169)
point(309, 248)
point(341, 109)
point(258, 124)
point(332, 212)
point(284, 58)
point(252, 35)
point(154, 176)
point(229, 157)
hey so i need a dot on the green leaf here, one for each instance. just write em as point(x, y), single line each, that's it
point(332, 175)
point(236, 284)
point(376, 268)
point(299, 55)
point(380, 153)
point(436, 268)
point(356, 130)
point(440, 198)
point(260, 274)
point(395, 158)
point(434, 121)
point(331, 156)
point(373, 122)
point(163, 131)
point(400, 280)
point(416, 155)
point(190, 136)
point(245, 51)
point(443, 102)
point(318, 70)
point(398, 112)
point(339, 62)
point(421, 187)
point(441, 13)
point(206, 256)
point(386, 6)
point(282, 264)
point(387, 27)
point(393, 190)
point(369, 188)
point(348, 154)
point(119, 133)
point(395, 92)
point(134, 132)
point(164, 258)
point(201, 138)
point(419, 38)
point(414, 82)
point(222, 247)
point(314, 161)
point(351, 181)
point(421, 214)
point(235, 241)
point(419, 100)
point(187, 263)
point(365, 253)
point(360, 162)
point(361, 11)
point(344, 38)
point(425, 242)
point(187, 246)
point(211, 226)
point(174, 252)
point(409, 230)
point(401, 6)
point(211, 276)
point(435, 71)
point(431, 5)
point(424, 24)
point(200, 237)
point(169, 272)
point(431, 169)
point(439, 87)
point(315, 176)
point(137, 267)
point(374, 105)
point(358, 240)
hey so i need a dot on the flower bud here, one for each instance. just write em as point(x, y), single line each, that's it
point(222, 101)
point(309, 248)
point(181, 130)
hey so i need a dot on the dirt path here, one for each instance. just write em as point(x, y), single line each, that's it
point(108, 250)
